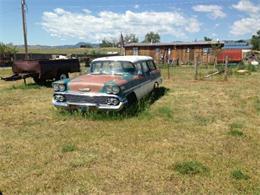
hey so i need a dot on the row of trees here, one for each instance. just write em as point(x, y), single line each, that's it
point(255, 41)
point(7, 50)
point(150, 37)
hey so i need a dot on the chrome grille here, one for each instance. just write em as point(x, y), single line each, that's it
point(85, 99)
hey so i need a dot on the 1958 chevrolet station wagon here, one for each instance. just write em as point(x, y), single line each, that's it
point(111, 84)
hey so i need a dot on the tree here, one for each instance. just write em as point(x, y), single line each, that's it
point(106, 43)
point(7, 50)
point(152, 37)
point(207, 39)
point(131, 38)
point(255, 41)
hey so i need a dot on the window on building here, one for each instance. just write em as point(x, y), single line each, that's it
point(135, 51)
point(169, 51)
point(188, 50)
point(157, 50)
point(205, 50)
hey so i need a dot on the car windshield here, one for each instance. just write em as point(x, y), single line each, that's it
point(112, 67)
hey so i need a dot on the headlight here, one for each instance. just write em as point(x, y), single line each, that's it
point(109, 89)
point(112, 89)
point(56, 87)
point(59, 87)
point(59, 98)
point(112, 101)
point(62, 87)
point(115, 89)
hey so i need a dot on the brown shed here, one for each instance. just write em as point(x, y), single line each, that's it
point(177, 52)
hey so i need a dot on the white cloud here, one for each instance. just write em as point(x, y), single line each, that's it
point(85, 25)
point(247, 6)
point(215, 11)
point(249, 24)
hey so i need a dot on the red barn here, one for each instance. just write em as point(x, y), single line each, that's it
point(234, 55)
point(234, 50)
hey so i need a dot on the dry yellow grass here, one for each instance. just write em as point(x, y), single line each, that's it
point(45, 151)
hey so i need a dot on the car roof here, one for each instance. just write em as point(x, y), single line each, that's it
point(132, 59)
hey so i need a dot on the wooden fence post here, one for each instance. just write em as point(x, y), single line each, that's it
point(226, 69)
point(196, 68)
point(168, 70)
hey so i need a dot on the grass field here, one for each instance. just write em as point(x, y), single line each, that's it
point(201, 137)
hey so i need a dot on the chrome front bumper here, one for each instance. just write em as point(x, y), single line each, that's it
point(101, 106)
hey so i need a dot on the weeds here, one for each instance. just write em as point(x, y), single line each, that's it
point(236, 133)
point(138, 109)
point(235, 129)
point(203, 120)
point(236, 126)
point(239, 175)
point(68, 148)
point(257, 105)
point(190, 168)
point(166, 112)
point(24, 87)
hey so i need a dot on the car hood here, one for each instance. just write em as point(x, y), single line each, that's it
point(95, 83)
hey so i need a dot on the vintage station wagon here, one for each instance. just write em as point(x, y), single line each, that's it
point(111, 84)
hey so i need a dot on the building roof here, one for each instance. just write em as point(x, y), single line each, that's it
point(174, 44)
point(237, 45)
point(132, 59)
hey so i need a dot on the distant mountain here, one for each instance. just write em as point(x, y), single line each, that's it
point(78, 45)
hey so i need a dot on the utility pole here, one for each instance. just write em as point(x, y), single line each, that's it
point(24, 29)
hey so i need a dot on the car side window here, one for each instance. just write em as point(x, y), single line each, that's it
point(138, 67)
point(145, 67)
point(151, 65)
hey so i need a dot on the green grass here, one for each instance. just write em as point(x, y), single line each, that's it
point(236, 133)
point(239, 175)
point(191, 168)
point(47, 151)
point(166, 112)
point(235, 129)
point(257, 105)
point(69, 148)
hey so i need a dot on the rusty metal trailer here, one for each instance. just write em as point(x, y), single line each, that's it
point(43, 70)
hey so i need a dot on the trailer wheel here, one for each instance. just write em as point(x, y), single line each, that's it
point(39, 81)
point(62, 76)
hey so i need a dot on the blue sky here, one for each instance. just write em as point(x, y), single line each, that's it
point(59, 22)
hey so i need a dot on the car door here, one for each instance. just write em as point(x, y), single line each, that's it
point(148, 84)
point(140, 82)
point(154, 72)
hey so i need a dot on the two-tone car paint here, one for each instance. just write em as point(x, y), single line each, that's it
point(91, 90)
